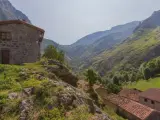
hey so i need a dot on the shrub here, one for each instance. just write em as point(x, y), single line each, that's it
point(113, 88)
point(52, 53)
point(54, 114)
point(80, 113)
point(92, 76)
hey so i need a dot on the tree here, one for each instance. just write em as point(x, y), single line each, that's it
point(91, 76)
point(113, 88)
point(50, 52)
point(116, 80)
point(147, 73)
point(61, 56)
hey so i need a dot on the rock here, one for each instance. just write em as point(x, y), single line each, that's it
point(40, 77)
point(63, 73)
point(29, 91)
point(13, 96)
point(23, 74)
point(52, 76)
point(100, 117)
point(66, 99)
point(97, 110)
point(25, 107)
point(54, 62)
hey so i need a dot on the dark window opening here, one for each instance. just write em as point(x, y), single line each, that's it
point(5, 36)
point(145, 100)
point(152, 102)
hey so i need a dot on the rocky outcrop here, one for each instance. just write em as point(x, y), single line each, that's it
point(25, 107)
point(61, 71)
point(13, 96)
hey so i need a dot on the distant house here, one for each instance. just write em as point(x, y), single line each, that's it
point(132, 94)
point(130, 109)
point(151, 98)
point(19, 42)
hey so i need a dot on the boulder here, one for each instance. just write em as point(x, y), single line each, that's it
point(63, 73)
point(13, 96)
point(29, 91)
point(25, 107)
point(66, 100)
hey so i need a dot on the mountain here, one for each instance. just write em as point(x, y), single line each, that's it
point(151, 22)
point(89, 39)
point(114, 36)
point(9, 12)
point(79, 52)
point(92, 45)
point(143, 45)
point(47, 42)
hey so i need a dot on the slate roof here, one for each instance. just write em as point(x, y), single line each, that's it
point(152, 94)
point(138, 110)
point(20, 22)
point(132, 94)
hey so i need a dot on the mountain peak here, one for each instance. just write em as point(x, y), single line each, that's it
point(152, 22)
point(9, 12)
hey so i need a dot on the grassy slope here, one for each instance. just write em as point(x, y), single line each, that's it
point(15, 78)
point(133, 51)
point(144, 85)
point(112, 114)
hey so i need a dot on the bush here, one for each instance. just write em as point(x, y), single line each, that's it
point(80, 113)
point(54, 114)
point(92, 77)
point(113, 88)
point(46, 94)
point(52, 53)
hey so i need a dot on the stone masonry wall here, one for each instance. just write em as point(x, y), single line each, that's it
point(148, 103)
point(23, 46)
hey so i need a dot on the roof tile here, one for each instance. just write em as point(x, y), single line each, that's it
point(140, 111)
point(20, 22)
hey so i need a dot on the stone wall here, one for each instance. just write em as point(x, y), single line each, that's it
point(119, 110)
point(148, 103)
point(23, 46)
point(154, 116)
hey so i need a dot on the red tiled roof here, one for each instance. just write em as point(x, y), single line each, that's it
point(20, 22)
point(140, 111)
point(152, 94)
point(132, 94)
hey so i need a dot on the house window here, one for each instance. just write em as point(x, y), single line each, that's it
point(5, 36)
point(152, 102)
point(145, 100)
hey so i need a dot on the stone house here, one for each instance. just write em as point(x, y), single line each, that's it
point(151, 98)
point(132, 94)
point(130, 109)
point(19, 42)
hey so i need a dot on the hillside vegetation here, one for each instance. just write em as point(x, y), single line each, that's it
point(38, 92)
point(140, 47)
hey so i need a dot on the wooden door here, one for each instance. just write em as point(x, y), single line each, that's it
point(5, 56)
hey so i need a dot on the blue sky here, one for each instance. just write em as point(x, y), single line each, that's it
point(66, 21)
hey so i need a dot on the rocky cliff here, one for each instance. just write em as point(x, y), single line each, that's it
point(9, 12)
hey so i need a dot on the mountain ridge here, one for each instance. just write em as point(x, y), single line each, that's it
point(9, 12)
point(143, 45)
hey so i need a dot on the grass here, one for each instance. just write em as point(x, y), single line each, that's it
point(144, 85)
point(112, 114)
point(129, 52)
